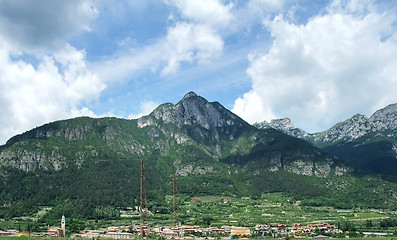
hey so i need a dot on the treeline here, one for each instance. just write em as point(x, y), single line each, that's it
point(89, 192)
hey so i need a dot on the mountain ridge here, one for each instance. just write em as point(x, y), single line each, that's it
point(96, 162)
point(192, 110)
point(350, 139)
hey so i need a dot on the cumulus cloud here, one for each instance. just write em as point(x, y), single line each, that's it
point(337, 64)
point(54, 90)
point(194, 39)
point(190, 42)
point(43, 25)
point(184, 43)
point(42, 77)
point(252, 107)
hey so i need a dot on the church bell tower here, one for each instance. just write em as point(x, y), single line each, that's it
point(63, 226)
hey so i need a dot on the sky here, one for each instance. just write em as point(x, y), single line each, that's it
point(317, 62)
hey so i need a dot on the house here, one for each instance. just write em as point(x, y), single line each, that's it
point(262, 229)
point(214, 230)
point(323, 227)
point(190, 229)
point(118, 235)
point(24, 234)
point(296, 226)
point(169, 233)
point(9, 233)
point(281, 227)
point(228, 229)
point(54, 232)
point(240, 231)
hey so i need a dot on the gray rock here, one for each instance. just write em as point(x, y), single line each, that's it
point(355, 127)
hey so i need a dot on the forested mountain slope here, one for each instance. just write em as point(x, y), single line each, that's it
point(83, 165)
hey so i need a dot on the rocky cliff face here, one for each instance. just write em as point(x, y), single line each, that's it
point(29, 160)
point(194, 110)
point(321, 169)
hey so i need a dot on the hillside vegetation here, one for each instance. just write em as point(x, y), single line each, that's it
point(85, 168)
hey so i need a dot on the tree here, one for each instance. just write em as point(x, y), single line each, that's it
point(368, 224)
point(75, 225)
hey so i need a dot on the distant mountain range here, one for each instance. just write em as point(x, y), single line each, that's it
point(83, 165)
point(366, 143)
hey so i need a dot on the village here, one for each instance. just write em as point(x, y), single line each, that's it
point(187, 232)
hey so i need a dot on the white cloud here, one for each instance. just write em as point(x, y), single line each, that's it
point(187, 42)
point(194, 39)
point(184, 43)
point(322, 72)
point(212, 13)
point(146, 108)
point(254, 11)
point(250, 106)
point(42, 77)
point(266, 5)
point(54, 90)
point(43, 25)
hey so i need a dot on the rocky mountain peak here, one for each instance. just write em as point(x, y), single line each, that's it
point(189, 95)
point(283, 123)
point(355, 127)
point(388, 110)
point(193, 109)
point(359, 125)
point(358, 118)
point(352, 128)
point(385, 118)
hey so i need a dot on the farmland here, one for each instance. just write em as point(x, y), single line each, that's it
point(216, 211)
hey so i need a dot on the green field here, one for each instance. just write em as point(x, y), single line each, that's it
point(217, 211)
point(270, 208)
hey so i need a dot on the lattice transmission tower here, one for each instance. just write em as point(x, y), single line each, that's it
point(176, 208)
point(144, 227)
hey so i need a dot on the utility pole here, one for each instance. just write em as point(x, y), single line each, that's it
point(144, 228)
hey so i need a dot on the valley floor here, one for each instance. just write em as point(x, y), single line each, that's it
point(274, 211)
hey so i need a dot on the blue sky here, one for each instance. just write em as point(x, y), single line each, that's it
point(316, 62)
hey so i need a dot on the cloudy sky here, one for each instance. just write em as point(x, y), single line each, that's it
point(316, 62)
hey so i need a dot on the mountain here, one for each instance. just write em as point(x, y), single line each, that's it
point(286, 126)
point(83, 165)
point(366, 143)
